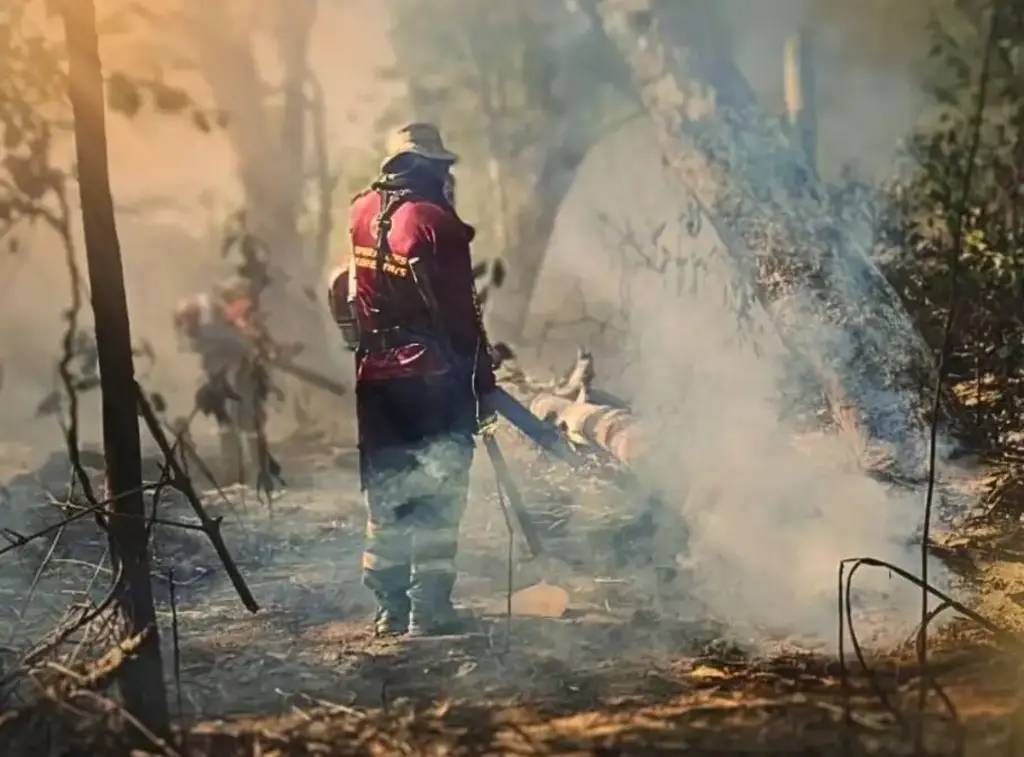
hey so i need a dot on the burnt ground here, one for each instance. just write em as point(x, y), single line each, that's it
point(633, 666)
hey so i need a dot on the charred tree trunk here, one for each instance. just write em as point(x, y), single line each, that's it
point(271, 161)
point(534, 166)
point(141, 678)
point(229, 66)
point(326, 182)
point(271, 164)
point(531, 225)
point(292, 30)
point(829, 302)
point(539, 176)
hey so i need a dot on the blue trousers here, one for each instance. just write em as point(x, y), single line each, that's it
point(416, 449)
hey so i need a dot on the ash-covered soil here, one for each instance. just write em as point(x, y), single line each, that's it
point(634, 665)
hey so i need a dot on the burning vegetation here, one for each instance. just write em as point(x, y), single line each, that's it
point(770, 505)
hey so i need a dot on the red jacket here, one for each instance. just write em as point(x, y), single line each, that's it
point(220, 333)
point(435, 234)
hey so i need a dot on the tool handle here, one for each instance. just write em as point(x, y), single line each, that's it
point(516, 505)
point(540, 433)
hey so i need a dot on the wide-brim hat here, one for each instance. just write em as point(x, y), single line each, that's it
point(419, 138)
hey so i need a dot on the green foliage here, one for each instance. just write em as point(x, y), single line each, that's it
point(916, 213)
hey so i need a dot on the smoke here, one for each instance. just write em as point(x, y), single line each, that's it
point(769, 507)
point(174, 187)
point(162, 262)
point(768, 519)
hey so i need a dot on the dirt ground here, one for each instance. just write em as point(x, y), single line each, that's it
point(633, 666)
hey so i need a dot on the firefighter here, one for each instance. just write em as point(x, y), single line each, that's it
point(222, 328)
point(408, 309)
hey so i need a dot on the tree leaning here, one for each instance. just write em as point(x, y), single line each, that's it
point(775, 221)
point(141, 677)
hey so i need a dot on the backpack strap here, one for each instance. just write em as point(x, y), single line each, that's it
point(390, 202)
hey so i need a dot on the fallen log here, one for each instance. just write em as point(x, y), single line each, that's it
point(592, 420)
point(811, 273)
point(609, 429)
point(641, 527)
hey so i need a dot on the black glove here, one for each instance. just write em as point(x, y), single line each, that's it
point(487, 423)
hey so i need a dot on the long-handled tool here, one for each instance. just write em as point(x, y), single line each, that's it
point(309, 376)
point(542, 434)
point(520, 517)
point(541, 599)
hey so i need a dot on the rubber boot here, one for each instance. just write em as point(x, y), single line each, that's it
point(231, 468)
point(392, 618)
point(389, 586)
point(432, 611)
